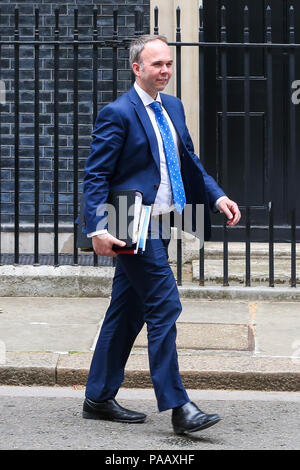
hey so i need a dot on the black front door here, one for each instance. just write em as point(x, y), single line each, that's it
point(262, 189)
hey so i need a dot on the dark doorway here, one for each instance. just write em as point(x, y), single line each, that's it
point(262, 189)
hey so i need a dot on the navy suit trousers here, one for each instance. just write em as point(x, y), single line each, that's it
point(144, 291)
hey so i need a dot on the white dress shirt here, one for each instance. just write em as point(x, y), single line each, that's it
point(164, 199)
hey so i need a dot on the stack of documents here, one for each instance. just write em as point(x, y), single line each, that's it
point(127, 219)
point(136, 240)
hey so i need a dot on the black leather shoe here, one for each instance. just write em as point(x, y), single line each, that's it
point(188, 418)
point(110, 410)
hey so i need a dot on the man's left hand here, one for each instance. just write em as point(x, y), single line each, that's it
point(231, 210)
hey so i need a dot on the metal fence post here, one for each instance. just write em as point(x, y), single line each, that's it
point(75, 135)
point(17, 137)
point(56, 136)
point(36, 138)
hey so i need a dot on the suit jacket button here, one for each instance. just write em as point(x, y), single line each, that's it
point(155, 186)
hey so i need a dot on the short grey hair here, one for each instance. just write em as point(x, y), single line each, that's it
point(138, 44)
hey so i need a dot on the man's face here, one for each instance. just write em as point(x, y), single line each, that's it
point(155, 69)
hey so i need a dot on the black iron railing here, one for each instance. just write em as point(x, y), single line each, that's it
point(246, 213)
point(117, 43)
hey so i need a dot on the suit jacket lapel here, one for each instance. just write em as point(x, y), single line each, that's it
point(146, 123)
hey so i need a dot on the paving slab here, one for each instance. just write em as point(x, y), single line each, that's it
point(277, 329)
point(51, 324)
point(208, 311)
point(42, 336)
point(208, 336)
point(53, 309)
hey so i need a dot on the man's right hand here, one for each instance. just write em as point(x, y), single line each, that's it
point(103, 243)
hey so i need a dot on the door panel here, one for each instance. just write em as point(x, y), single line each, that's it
point(280, 192)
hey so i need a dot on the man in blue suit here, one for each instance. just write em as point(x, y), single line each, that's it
point(141, 142)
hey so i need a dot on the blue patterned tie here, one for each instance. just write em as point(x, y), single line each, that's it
point(171, 157)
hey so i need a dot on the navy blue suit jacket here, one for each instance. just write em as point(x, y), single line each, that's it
point(124, 155)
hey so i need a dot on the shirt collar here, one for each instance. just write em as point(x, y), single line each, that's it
point(145, 97)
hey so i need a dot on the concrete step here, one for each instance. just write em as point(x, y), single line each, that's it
point(85, 281)
point(259, 270)
point(214, 250)
point(258, 250)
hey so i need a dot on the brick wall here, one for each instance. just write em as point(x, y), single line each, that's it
point(66, 108)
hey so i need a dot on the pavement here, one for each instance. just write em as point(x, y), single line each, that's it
point(250, 343)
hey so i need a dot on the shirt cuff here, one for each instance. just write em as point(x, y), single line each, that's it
point(98, 232)
point(219, 200)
